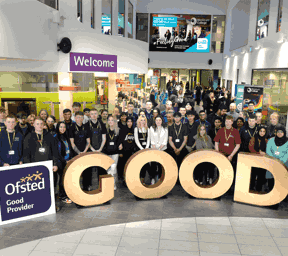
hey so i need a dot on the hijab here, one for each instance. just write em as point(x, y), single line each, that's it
point(260, 141)
point(280, 141)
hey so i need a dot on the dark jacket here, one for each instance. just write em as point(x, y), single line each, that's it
point(27, 131)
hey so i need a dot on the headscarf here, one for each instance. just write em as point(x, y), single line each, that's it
point(260, 141)
point(280, 141)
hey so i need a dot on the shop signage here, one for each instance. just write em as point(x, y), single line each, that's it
point(88, 62)
point(169, 177)
point(239, 91)
point(154, 80)
point(26, 191)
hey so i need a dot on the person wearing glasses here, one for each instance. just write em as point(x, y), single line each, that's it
point(202, 120)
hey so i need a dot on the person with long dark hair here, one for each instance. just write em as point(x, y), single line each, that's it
point(278, 148)
point(50, 121)
point(43, 114)
point(258, 145)
point(65, 155)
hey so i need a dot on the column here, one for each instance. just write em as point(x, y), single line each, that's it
point(68, 9)
point(86, 12)
point(115, 17)
point(284, 23)
point(112, 91)
point(65, 92)
point(98, 15)
point(126, 18)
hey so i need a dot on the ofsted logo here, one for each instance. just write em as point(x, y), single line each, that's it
point(10, 188)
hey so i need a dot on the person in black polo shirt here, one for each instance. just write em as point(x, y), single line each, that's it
point(122, 121)
point(216, 127)
point(23, 127)
point(178, 136)
point(191, 129)
point(80, 141)
point(112, 146)
point(97, 141)
point(131, 113)
point(148, 111)
point(11, 142)
point(67, 119)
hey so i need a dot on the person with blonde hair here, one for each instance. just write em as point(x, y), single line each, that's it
point(142, 139)
point(112, 146)
point(274, 121)
point(30, 119)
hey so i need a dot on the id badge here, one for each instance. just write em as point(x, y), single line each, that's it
point(11, 152)
point(67, 151)
point(42, 150)
point(177, 140)
point(226, 144)
point(277, 153)
point(112, 143)
point(144, 143)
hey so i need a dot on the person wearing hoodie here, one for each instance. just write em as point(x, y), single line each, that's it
point(126, 145)
point(65, 155)
point(22, 126)
point(10, 143)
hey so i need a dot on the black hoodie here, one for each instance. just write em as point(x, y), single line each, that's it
point(127, 139)
point(31, 148)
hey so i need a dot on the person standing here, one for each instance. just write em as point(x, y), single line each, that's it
point(209, 105)
point(104, 116)
point(202, 120)
point(258, 145)
point(76, 107)
point(159, 140)
point(246, 133)
point(131, 113)
point(142, 140)
point(184, 119)
point(65, 155)
point(203, 172)
point(122, 121)
point(11, 142)
point(227, 142)
point(67, 119)
point(148, 111)
point(250, 110)
point(278, 148)
point(178, 136)
point(156, 112)
point(112, 147)
point(274, 121)
point(216, 127)
point(191, 129)
point(2, 118)
point(198, 91)
point(43, 114)
point(168, 107)
point(80, 141)
point(152, 99)
point(232, 111)
point(23, 127)
point(127, 145)
point(50, 122)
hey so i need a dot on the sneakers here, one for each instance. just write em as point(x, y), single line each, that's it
point(152, 181)
point(210, 181)
point(115, 187)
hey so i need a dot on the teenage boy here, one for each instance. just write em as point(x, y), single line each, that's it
point(247, 132)
point(67, 119)
point(80, 141)
point(130, 112)
point(191, 129)
point(165, 112)
point(170, 118)
point(259, 116)
point(40, 146)
point(22, 126)
point(76, 107)
point(97, 141)
point(216, 127)
point(148, 111)
point(228, 141)
point(184, 119)
point(122, 121)
point(250, 110)
point(104, 116)
point(202, 120)
point(178, 136)
point(221, 112)
point(2, 118)
point(11, 142)
point(87, 112)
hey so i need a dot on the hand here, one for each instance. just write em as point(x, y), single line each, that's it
point(98, 151)
point(230, 158)
point(120, 155)
point(20, 162)
point(262, 153)
point(120, 147)
point(55, 168)
point(81, 153)
point(6, 164)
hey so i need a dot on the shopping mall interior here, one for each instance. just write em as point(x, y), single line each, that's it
point(54, 53)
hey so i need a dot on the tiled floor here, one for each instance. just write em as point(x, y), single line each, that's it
point(177, 225)
point(205, 236)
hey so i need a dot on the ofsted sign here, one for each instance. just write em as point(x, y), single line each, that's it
point(88, 62)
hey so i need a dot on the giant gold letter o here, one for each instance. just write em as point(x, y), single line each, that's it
point(245, 162)
point(224, 166)
point(73, 171)
point(163, 186)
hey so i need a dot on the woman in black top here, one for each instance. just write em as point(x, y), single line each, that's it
point(127, 145)
point(122, 121)
point(112, 145)
point(65, 155)
point(51, 120)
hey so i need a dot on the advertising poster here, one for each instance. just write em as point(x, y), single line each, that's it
point(26, 191)
point(255, 94)
point(154, 80)
point(239, 91)
point(180, 33)
point(262, 19)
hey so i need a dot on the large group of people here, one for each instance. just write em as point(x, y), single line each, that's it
point(178, 130)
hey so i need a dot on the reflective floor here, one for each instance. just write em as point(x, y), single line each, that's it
point(185, 233)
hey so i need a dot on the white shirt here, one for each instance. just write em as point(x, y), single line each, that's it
point(86, 119)
point(137, 139)
point(159, 138)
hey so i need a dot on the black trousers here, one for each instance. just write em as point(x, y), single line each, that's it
point(260, 175)
point(198, 99)
point(180, 157)
point(122, 161)
point(203, 171)
point(62, 193)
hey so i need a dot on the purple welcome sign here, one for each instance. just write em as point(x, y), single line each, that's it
point(88, 62)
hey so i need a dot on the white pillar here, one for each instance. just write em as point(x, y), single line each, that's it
point(98, 16)
point(114, 17)
point(86, 13)
point(126, 18)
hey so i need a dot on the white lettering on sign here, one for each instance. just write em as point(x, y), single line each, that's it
point(10, 188)
point(93, 62)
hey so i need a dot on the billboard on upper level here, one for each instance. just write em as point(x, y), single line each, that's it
point(180, 33)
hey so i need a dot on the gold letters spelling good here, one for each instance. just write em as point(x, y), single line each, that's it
point(246, 161)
